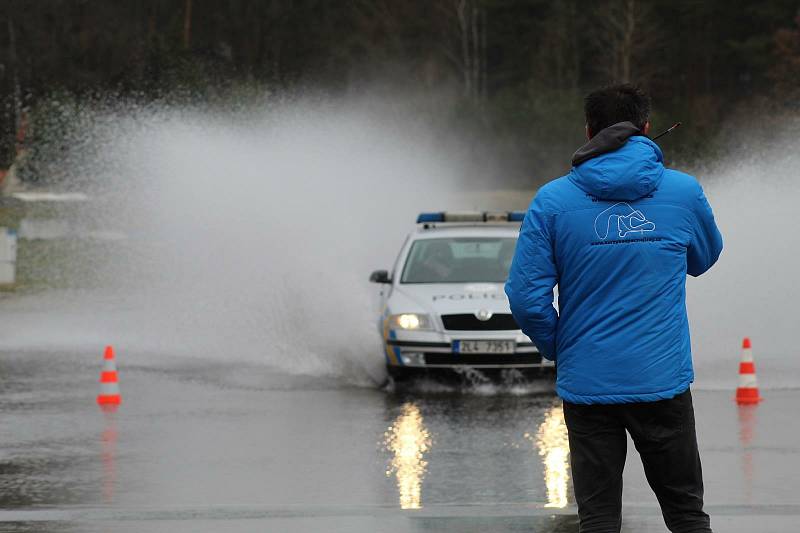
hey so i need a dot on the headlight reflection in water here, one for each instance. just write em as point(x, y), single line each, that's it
point(409, 440)
point(553, 445)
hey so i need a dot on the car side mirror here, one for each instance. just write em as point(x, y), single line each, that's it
point(380, 276)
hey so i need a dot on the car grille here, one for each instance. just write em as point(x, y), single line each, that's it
point(469, 322)
point(476, 359)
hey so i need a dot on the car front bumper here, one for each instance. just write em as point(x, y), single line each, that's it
point(441, 354)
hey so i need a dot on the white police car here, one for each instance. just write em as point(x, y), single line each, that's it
point(443, 303)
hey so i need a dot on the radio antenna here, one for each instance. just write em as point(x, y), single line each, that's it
point(667, 131)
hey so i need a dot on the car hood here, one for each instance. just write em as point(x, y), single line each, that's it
point(450, 298)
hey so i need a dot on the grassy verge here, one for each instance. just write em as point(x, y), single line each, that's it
point(68, 262)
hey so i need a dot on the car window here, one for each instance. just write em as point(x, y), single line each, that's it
point(459, 260)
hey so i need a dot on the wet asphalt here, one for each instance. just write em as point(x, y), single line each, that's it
point(218, 446)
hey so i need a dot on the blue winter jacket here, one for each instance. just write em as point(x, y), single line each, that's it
point(618, 235)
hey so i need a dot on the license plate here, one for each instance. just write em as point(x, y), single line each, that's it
point(484, 346)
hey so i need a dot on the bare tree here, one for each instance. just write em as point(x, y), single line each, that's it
point(464, 32)
point(381, 20)
point(12, 59)
point(556, 58)
point(628, 32)
point(187, 24)
point(785, 72)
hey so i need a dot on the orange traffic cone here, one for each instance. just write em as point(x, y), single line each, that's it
point(109, 397)
point(747, 392)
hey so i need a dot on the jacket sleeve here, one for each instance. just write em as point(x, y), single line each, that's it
point(706, 243)
point(531, 281)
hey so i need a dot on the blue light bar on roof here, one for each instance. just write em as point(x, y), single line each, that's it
point(430, 217)
point(476, 216)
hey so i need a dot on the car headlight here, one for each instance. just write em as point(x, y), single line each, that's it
point(410, 321)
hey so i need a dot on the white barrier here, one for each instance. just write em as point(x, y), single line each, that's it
point(8, 256)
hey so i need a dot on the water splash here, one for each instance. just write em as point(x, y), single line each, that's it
point(752, 291)
point(249, 236)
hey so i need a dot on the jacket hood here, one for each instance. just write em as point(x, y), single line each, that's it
point(618, 164)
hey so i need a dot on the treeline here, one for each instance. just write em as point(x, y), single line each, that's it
point(513, 70)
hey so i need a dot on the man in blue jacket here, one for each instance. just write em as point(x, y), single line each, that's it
point(618, 235)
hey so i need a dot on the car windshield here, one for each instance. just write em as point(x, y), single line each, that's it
point(459, 260)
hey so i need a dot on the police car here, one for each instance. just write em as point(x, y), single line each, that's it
point(443, 302)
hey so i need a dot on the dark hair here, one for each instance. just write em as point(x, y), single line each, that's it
point(616, 103)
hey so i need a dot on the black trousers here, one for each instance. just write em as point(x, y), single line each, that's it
point(665, 438)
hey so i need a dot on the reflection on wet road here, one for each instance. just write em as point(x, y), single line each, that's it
point(198, 444)
point(109, 445)
point(553, 445)
point(747, 422)
point(408, 440)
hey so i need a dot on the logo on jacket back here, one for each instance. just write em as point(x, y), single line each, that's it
point(619, 220)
